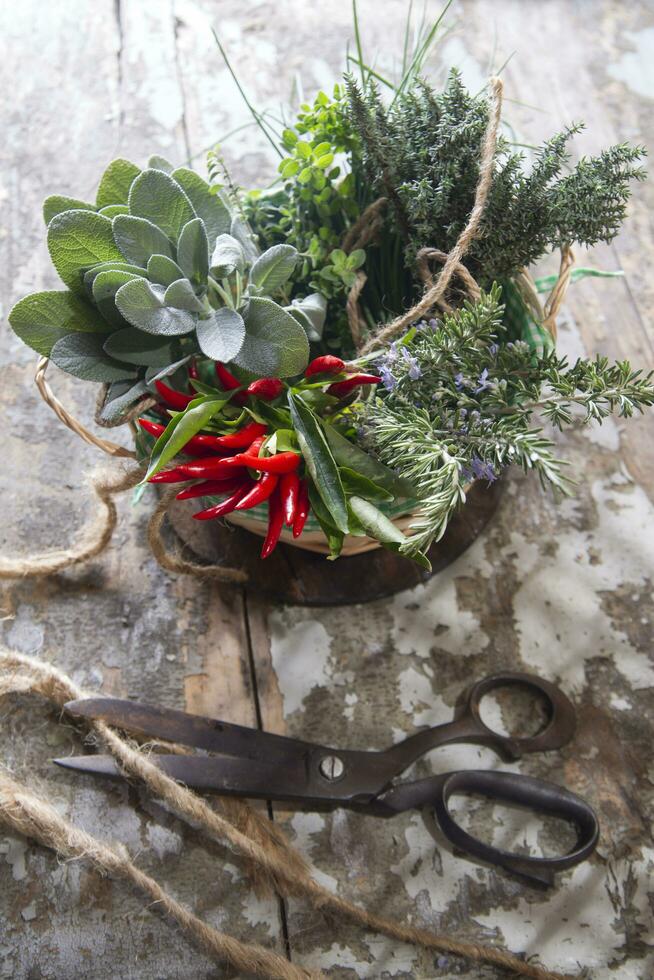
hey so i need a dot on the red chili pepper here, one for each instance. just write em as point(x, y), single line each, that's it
point(210, 487)
point(212, 468)
point(341, 388)
point(281, 463)
point(275, 521)
point(259, 492)
point(326, 364)
point(243, 437)
point(226, 507)
point(169, 476)
point(302, 509)
point(175, 399)
point(266, 388)
point(200, 445)
point(229, 383)
point(254, 447)
point(289, 488)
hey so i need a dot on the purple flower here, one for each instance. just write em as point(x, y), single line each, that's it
point(412, 362)
point(388, 378)
point(493, 349)
point(459, 381)
point(480, 470)
point(482, 382)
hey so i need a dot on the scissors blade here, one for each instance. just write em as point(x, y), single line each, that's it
point(186, 729)
point(217, 774)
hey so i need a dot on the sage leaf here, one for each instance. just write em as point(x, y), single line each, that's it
point(105, 287)
point(156, 196)
point(41, 319)
point(352, 456)
point(182, 428)
point(227, 256)
point(142, 305)
point(120, 397)
point(319, 461)
point(132, 346)
point(138, 239)
point(207, 205)
point(89, 277)
point(221, 336)
point(163, 270)
point(112, 210)
point(273, 268)
point(382, 529)
point(193, 251)
point(310, 312)
point(83, 356)
point(275, 344)
point(180, 294)
point(78, 240)
point(57, 203)
point(115, 183)
point(240, 231)
point(360, 485)
point(154, 374)
point(160, 163)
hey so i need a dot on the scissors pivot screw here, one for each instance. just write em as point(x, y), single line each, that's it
point(331, 767)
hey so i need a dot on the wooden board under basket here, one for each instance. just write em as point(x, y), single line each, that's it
point(299, 577)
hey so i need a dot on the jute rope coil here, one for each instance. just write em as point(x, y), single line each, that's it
point(271, 853)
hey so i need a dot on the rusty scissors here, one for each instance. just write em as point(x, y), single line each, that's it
point(260, 765)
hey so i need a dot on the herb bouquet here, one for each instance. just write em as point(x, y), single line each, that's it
point(332, 360)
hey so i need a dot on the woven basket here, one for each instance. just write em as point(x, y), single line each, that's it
point(525, 318)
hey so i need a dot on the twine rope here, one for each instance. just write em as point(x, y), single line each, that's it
point(106, 483)
point(467, 236)
point(272, 854)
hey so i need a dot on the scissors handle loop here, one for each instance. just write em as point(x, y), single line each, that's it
point(558, 730)
point(536, 794)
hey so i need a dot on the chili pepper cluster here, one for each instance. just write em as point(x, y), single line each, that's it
point(238, 466)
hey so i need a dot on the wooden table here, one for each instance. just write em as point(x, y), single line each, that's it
point(562, 590)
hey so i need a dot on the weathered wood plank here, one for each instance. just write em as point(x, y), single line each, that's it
point(90, 82)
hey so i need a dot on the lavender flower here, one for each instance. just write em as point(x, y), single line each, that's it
point(388, 378)
point(459, 381)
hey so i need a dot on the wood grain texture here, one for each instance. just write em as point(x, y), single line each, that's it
point(564, 591)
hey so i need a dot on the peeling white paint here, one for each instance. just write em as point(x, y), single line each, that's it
point(636, 67)
point(561, 626)
point(300, 655)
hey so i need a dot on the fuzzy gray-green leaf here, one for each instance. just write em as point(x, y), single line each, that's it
point(227, 256)
point(273, 268)
point(193, 251)
point(105, 287)
point(133, 346)
point(210, 207)
point(83, 356)
point(275, 344)
point(116, 182)
point(180, 294)
point(221, 336)
point(163, 270)
point(138, 239)
point(142, 305)
point(41, 319)
point(156, 196)
point(57, 203)
point(78, 240)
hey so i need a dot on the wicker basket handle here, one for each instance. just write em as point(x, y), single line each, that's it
point(51, 400)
